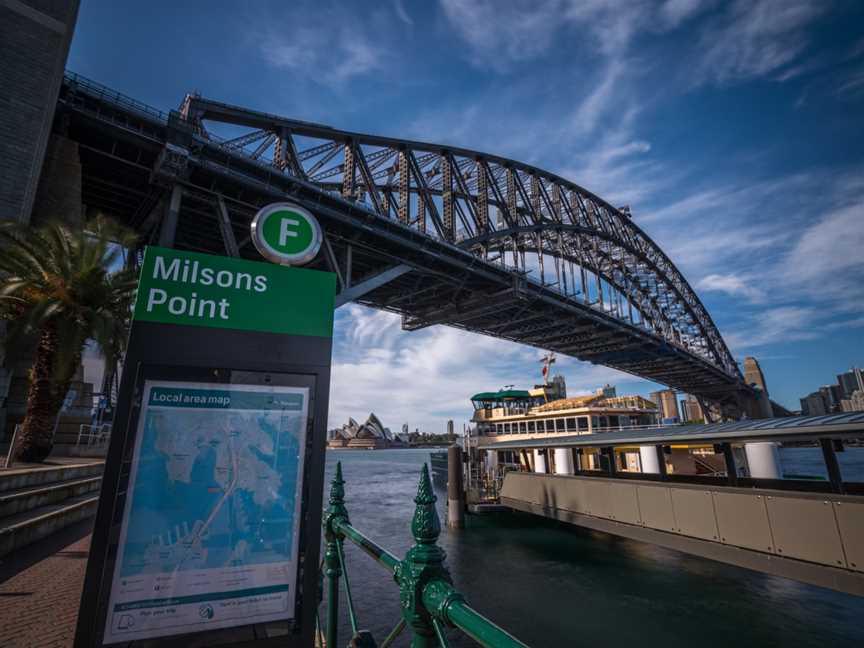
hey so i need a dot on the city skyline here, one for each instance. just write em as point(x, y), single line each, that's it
point(730, 130)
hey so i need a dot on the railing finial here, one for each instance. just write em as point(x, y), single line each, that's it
point(426, 525)
point(423, 564)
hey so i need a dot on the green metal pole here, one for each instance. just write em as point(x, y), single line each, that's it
point(423, 563)
point(376, 551)
point(335, 514)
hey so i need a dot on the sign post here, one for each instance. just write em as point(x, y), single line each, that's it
point(209, 517)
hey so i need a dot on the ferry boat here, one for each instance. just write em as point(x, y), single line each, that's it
point(545, 413)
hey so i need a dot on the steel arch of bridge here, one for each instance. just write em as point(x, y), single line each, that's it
point(548, 263)
point(454, 194)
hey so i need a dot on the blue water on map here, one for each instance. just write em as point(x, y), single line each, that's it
point(189, 508)
point(554, 585)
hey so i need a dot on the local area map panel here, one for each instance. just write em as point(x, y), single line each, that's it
point(210, 530)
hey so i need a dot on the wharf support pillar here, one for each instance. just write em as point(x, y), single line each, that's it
point(563, 461)
point(539, 461)
point(649, 459)
point(455, 490)
point(763, 460)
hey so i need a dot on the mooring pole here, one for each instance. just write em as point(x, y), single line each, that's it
point(335, 513)
point(455, 491)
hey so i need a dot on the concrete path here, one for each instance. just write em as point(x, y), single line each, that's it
point(40, 588)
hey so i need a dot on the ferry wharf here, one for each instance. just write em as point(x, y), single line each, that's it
point(745, 512)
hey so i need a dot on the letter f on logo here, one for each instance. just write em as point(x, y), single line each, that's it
point(284, 230)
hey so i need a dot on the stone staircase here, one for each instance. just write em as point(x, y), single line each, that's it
point(38, 501)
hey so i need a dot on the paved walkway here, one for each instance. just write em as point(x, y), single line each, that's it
point(40, 589)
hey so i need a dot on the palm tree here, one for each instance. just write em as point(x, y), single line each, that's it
point(62, 286)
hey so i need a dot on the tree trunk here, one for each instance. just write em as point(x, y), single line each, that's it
point(44, 399)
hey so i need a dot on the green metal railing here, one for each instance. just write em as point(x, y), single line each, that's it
point(428, 601)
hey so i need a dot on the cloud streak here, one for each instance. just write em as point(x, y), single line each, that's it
point(755, 38)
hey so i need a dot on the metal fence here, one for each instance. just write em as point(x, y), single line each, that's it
point(429, 602)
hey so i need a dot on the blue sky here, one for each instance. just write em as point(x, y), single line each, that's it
point(732, 129)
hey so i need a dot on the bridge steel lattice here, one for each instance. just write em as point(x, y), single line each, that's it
point(435, 233)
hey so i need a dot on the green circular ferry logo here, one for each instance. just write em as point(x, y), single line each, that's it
point(286, 234)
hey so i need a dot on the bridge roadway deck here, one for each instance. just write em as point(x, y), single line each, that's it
point(134, 159)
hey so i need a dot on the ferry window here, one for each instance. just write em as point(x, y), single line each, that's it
point(500, 428)
point(613, 421)
point(583, 422)
point(604, 422)
point(506, 428)
point(522, 427)
point(559, 425)
point(531, 426)
point(595, 422)
point(571, 424)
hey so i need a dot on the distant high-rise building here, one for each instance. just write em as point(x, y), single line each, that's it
point(857, 400)
point(850, 382)
point(667, 404)
point(607, 391)
point(831, 396)
point(753, 374)
point(691, 410)
point(682, 405)
point(814, 404)
point(450, 427)
point(560, 386)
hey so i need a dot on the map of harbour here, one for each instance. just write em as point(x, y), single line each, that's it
point(214, 488)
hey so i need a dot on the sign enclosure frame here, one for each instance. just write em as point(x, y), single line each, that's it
point(199, 354)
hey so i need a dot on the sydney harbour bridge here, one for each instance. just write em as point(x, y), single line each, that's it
point(435, 233)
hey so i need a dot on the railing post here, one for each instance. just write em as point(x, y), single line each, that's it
point(423, 563)
point(336, 513)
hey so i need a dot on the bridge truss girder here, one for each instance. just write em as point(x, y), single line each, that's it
point(493, 246)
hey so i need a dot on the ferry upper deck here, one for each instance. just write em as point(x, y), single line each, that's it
point(513, 411)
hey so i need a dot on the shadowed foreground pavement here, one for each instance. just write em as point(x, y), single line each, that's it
point(40, 588)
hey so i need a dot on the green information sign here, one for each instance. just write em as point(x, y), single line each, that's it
point(225, 292)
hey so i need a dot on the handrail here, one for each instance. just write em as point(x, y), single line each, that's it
point(429, 602)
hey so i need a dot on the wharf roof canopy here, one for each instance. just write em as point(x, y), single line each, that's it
point(787, 428)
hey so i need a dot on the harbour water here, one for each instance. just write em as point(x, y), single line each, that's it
point(555, 585)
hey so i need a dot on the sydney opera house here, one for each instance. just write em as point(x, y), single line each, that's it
point(371, 435)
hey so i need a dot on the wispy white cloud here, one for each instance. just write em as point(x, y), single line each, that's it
point(853, 83)
point(501, 32)
point(425, 377)
point(827, 260)
point(732, 284)
point(773, 325)
point(676, 12)
point(402, 13)
point(755, 38)
point(593, 106)
point(327, 47)
point(785, 324)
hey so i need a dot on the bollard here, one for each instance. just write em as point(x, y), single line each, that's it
point(455, 491)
